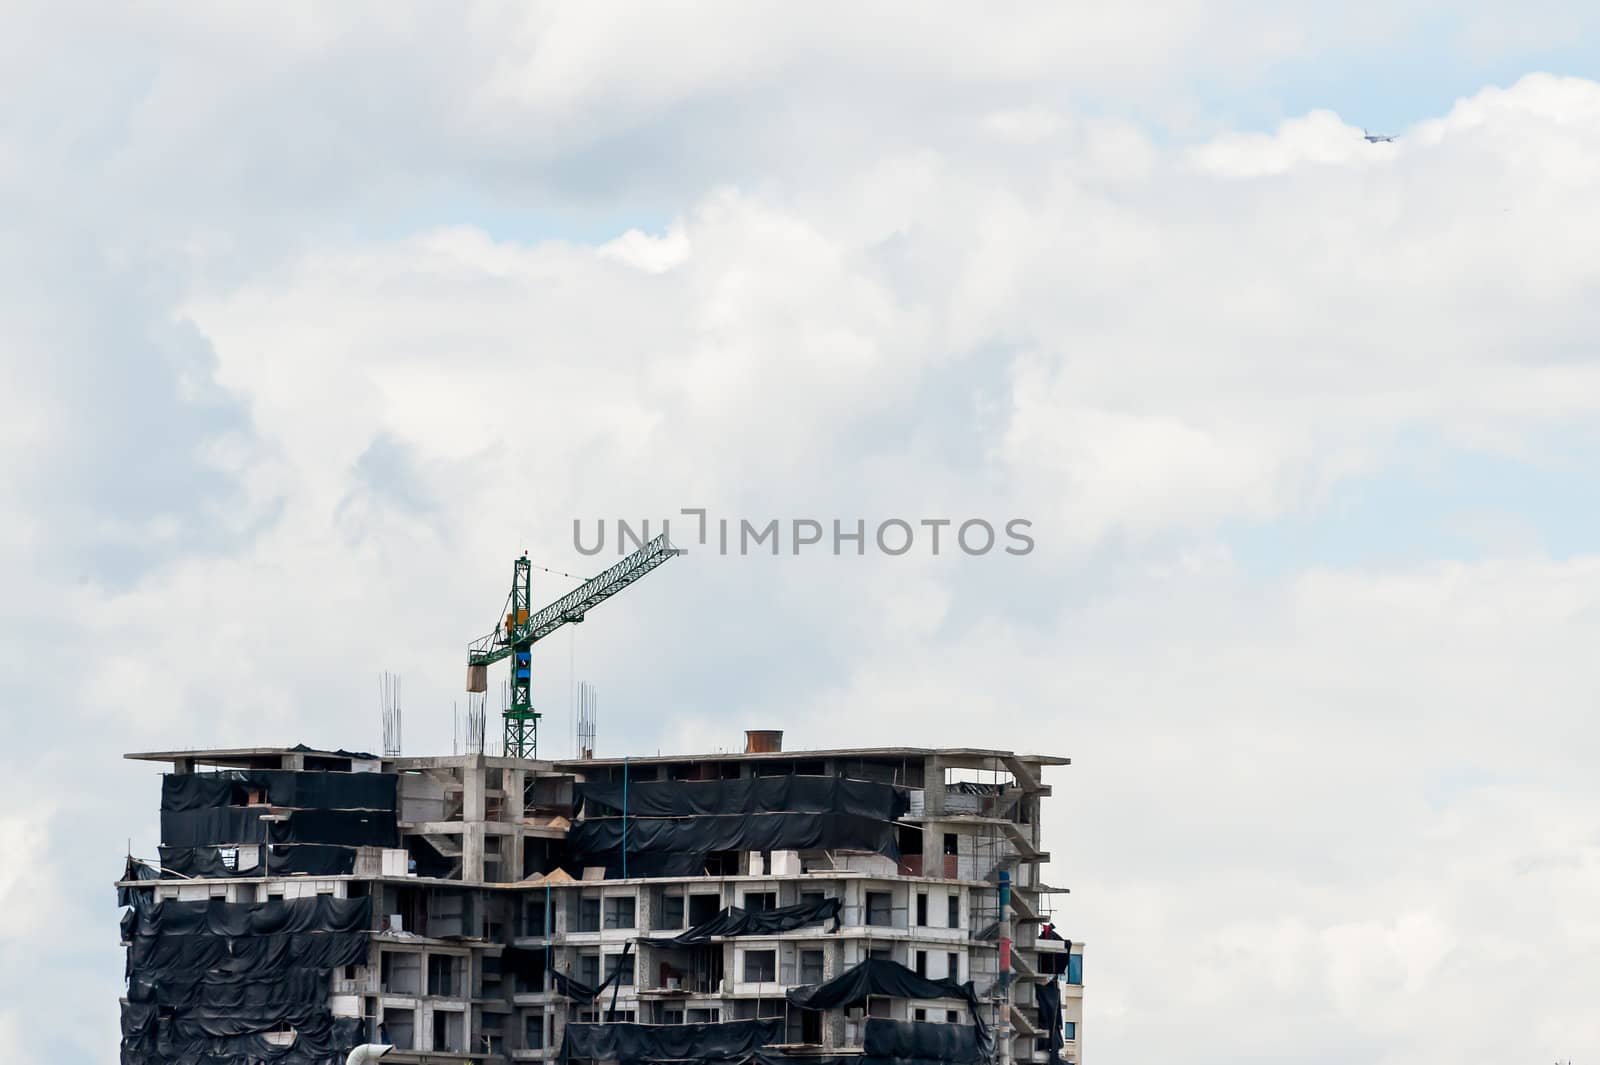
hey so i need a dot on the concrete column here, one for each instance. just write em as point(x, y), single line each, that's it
point(933, 786)
point(511, 847)
point(932, 848)
point(833, 1020)
point(473, 776)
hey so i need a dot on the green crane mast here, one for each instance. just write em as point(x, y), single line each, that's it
point(514, 637)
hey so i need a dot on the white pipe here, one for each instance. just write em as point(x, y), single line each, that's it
point(367, 1053)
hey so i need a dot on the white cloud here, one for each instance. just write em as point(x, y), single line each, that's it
point(881, 266)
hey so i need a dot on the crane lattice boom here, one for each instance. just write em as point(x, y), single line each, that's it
point(522, 628)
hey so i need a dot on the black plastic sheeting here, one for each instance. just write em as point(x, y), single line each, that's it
point(340, 753)
point(973, 787)
point(136, 870)
point(280, 787)
point(311, 859)
point(689, 839)
point(324, 913)
point(242, 824)
point(728, 1041)
point(746, 795)
point(579, 991)
point(876, 976)
point(735, 921)
point(1054, 962)
point(208, 979)
point(147, 1039)
point(923, 1041)
point(1047, 997)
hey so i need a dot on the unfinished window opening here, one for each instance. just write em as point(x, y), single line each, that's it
point(760, 966)
point(589, 968)
point(398, 1028)
point(400, 974)
point(724, 863)
point(760, 901)
point(705, 969)
point(588, 915)
point(880, 909)
point(952, 965)
point(615, 963)
point(669, 914)
point(619, 911)
point(921, 965)
point(811, 966)
point(444, 975)
point(703, 907)
point(953, 913)
point(448, 1031)
point(530, 983)
point(922, 909)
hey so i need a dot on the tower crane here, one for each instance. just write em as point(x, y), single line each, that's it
point(514, 637)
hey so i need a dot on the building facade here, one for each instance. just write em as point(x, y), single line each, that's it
point(484, 909)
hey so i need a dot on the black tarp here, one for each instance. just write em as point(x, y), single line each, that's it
point(599, 841)
point(135, 870)
point(1054, 962)
point(314, 790)
point(745, 795)
point(229, 825)
point(324, 913)
point(310, 859)
point(735, 921)
point(340, 753)
point(149, 1040)
point(876, 976)
point(973, 787)
point(1047, 997)
point(728, 1041)
point(922, 1040)
point(207, 979)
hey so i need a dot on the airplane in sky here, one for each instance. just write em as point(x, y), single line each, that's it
point(1377, 138)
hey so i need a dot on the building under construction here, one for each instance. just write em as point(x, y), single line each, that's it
point(777, 906)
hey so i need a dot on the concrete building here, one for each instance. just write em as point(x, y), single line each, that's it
point(501, 900)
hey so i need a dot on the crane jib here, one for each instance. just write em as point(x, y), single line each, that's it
point(572, 607)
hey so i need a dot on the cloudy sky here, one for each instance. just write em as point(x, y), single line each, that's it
point(311, 321)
